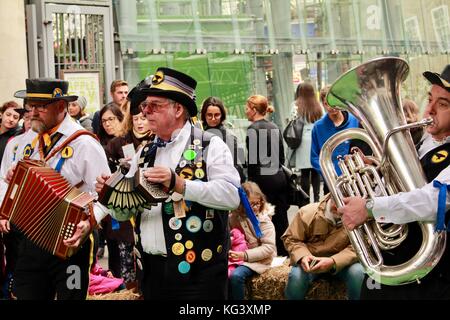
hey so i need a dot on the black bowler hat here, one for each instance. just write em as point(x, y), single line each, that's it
point(176, 86)
point(45, 89)
point(442, 80)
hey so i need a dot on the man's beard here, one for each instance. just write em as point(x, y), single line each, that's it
point(38, 126)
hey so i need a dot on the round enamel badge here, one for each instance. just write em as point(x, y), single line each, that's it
point(189, 244)
point(177, 248)
point(190, 256)
point(178, 236)
point(175, 223)
point(184, 267)
point(206, 255)
point(199, 173)
point(193, 224)
point(439, 156)
point(189, 155)
point(27, 151)
point(67, 152)
point(208, 226)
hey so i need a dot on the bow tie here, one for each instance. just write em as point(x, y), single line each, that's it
point(160, 143)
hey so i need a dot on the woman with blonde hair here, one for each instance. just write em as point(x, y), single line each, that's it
point(264, 160)
point(119, 235)
point(260, 251)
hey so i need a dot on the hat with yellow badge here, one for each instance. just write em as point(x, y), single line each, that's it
point(442, 80)
point(45, 89)
point(174, 85)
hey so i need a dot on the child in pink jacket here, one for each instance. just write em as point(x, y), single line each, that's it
point(238, 243)
point(102, 281)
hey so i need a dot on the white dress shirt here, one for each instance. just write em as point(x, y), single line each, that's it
point(219, 192)
point(87, 162)
point(8, 158)
point(417, 205)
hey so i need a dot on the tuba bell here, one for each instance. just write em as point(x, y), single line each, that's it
point(371, 93)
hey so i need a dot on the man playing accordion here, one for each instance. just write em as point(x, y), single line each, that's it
point(66, 147)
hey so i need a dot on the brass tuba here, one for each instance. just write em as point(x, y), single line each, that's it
point(371, 93)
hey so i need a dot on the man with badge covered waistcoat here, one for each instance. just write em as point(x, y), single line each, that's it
point(183, 241)
point(429, 203)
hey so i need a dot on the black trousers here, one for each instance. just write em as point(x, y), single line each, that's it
point(40, 275)
point(308, 177)
point(160, 282)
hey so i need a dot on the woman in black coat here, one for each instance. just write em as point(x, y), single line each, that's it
point(213, 116)
point(264, 159)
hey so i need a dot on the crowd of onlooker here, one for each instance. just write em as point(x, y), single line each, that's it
point(315, 240)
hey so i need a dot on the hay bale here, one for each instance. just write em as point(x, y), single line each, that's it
point(271, 284)
point(119, 295)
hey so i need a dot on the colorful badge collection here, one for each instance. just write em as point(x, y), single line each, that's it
point(191, 167)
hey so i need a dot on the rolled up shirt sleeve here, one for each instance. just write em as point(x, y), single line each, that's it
point(416, 205)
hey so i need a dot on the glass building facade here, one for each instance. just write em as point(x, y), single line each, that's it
point(236, 48)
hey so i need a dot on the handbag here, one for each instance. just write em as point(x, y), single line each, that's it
point(293, 132)
point(296, 195)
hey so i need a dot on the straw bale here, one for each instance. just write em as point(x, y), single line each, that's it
point(271, 284)
point(119, 295)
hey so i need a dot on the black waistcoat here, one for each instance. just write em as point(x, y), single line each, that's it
point(198, 243)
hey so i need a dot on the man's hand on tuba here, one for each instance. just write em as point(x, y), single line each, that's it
point(354, 212)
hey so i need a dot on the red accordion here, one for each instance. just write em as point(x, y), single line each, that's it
point(43, 205)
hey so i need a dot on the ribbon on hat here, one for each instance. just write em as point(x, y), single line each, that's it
point(249, 211)
point(442, 199)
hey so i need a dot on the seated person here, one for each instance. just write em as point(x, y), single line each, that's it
point(259, 255)
point(103, 281)
point(317, 244)
point(100, 280)
point(238, 243)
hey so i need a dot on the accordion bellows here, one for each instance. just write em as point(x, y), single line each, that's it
point(128, 195)
point(44, 206)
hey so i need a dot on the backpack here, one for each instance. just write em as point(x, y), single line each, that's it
point(292, 134)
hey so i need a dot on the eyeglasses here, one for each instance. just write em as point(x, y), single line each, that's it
point(150, 107)
point(211, 116)
point(108, 120)
point(39, 107)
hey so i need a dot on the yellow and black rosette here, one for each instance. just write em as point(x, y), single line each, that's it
point(439, 156)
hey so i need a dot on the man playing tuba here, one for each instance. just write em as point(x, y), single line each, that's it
point(428, 203)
